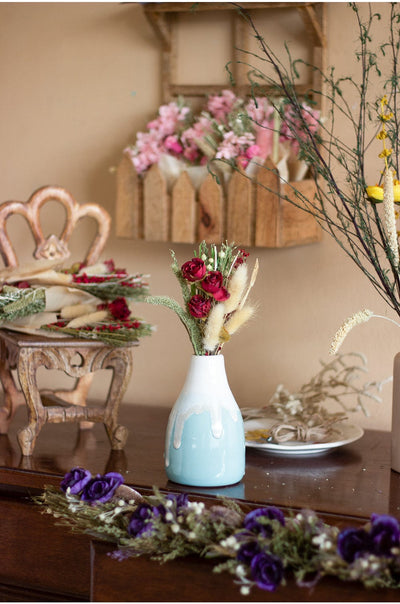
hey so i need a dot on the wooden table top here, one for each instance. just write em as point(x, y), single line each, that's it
point(352, 481)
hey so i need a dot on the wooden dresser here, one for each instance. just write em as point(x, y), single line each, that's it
point(41, 561)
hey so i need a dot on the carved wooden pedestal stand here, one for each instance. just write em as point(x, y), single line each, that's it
point(77, 358)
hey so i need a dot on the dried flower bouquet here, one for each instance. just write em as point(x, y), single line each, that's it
point(303, 415)
point(89, 302)
point(239, 131)
point(215, 286)
point(345, 204)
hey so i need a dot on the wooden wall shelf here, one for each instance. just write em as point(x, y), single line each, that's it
point(243, 211)
point(162, 17)
point(247, 212)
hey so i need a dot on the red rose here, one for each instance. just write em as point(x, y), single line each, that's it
point(199, 306)
point(193, 270)
point(119, 309)
point(212, 282)
point(221, 295)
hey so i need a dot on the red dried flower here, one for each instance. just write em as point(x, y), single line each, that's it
point(110, 265)
point(221, 295)
point(193, 270)
point(212, 282)
point(199, 306)
point(119, 309)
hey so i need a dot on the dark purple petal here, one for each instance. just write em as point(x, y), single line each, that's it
point(75, 480)
point(140, 520)
point(102, 488)
point(384, 533)
point(181, 500)
point(251, 521)
point(353, 543)
point(247, 551)
point(267, 571)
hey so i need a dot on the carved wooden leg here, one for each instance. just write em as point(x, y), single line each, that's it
point(28, 362)
point(78, 395)
point(13, 397)
point(120, 360)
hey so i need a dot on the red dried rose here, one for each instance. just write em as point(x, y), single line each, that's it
point(119, 309)
point(221, 295)
point(199, 306)
point(193, 270)
point(212, 282)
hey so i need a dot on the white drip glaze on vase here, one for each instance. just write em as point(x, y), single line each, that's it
point(206, 390)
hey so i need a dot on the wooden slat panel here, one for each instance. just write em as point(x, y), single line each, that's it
point(128, 212)
point(239, 210)
point(268, 208)
point(156, 206)
point(183, 210)
point(210, 222)
point(298, 226)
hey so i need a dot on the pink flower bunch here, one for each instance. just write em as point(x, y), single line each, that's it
point(221, 105)
point(162, 136)
point(190, 138)
point(229, 128)
point(240, 147)
point(294, 127)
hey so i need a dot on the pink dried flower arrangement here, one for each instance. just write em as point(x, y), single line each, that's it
point(229, 128)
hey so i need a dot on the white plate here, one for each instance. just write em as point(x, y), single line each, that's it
point(344, 434)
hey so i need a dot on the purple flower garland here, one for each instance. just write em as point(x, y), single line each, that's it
point(260, 548)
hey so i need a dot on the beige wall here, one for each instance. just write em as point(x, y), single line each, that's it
point(77, 81)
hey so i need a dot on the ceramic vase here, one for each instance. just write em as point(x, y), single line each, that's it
point(205, 444)
point(395, 463)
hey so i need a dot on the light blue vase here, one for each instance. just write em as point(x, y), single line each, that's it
point(205, 437)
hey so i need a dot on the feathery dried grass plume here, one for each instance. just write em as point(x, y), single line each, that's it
point(88, 319)
point(236, 288)
point(356, 319)
point(239, 318)
point(213, 327)
point(390, 214)
point(76, 310)
point(215, 288)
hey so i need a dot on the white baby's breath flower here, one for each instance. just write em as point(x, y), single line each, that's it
point(240, 570)
point(169, 517)
point(359, 317)
point(245, 590)
point(175, 528)
point(229, 542)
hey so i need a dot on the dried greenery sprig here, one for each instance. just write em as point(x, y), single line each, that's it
point(341, 204)
point(16, 303)
point(261, 548)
